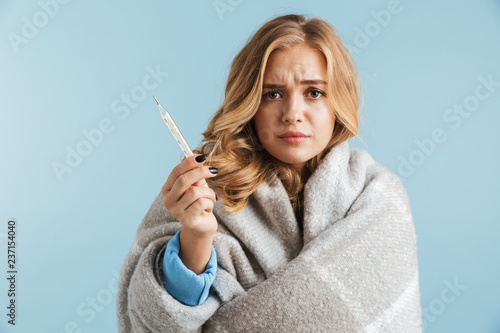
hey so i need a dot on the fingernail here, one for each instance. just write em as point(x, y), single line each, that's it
point(213, 170)
point(200, 158)
point(216, 197)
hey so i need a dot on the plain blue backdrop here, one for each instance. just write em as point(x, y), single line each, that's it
point(83, 150)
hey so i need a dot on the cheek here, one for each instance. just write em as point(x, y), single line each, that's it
point(325, 126)
point(257, 120)
point(261, 120)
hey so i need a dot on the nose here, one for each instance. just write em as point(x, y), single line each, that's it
point(293, 110)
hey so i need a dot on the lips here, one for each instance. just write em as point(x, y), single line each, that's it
point(292, 134)
point(294, 139)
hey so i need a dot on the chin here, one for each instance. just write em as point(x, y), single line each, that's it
point(293, 160)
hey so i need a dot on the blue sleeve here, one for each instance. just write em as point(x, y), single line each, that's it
point(181, 282)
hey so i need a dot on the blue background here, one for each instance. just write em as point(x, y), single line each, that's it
point(70, 75)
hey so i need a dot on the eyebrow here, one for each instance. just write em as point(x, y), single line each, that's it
point(304, 82)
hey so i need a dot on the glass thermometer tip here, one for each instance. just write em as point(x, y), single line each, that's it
point(174, 130)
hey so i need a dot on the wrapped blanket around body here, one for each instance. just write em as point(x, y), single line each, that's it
point(351, 266)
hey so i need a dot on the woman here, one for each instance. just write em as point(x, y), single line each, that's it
point(275, 224)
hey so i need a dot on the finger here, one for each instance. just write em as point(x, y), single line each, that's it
point(187, 164)
point(194, 193)
point(201, 182)
point(197, 208)
point(187, 179)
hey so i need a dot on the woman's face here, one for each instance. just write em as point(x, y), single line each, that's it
point(293, 121)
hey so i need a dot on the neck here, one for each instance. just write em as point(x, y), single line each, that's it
point(305, 173)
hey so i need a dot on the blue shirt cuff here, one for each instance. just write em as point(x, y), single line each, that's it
point(181, 282)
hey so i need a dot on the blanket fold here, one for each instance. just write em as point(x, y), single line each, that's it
point(351, 267)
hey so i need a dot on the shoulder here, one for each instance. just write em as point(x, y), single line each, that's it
point(380, 182)
point(362, 161)
point(352, 171)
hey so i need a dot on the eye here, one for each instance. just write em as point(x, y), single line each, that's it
point(316, 93)
point(271, 95)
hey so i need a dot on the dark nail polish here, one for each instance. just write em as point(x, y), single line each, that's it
point(216, 197)
point(213, 170)
point(200, 158)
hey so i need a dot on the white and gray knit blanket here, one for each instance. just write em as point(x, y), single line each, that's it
point(351, 267)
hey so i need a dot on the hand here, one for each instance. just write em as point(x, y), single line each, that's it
point(187, 196)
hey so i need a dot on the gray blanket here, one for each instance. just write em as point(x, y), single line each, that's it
point(351, 266)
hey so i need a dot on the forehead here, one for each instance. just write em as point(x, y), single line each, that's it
point(300, 62)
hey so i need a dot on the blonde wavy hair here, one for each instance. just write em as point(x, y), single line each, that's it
point(230, 141)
